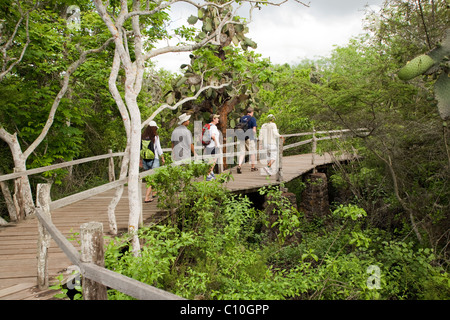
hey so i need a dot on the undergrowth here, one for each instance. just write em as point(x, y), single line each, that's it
point(215, 246)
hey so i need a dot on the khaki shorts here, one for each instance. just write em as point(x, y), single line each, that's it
point(250, 145)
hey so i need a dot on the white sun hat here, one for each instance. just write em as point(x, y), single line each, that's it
point(183, 118)
point(152, 124)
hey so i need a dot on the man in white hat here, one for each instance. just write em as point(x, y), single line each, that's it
point(182, 141)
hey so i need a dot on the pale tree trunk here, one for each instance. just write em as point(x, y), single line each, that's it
point(133, 82)
point(133, 85)
point(22, 198)
point(134, 196)
point(3, 222)
point(9, 200)
point(126, 158)
point(134, 71)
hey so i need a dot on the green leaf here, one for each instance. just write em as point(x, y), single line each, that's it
point(192, 19)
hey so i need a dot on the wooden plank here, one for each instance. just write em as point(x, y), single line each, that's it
point(15, 288)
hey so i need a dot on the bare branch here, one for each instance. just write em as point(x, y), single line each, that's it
point(181, 102)
point(116, 94)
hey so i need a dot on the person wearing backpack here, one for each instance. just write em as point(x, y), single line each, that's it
point(210, 139)
point(151, 153)
point(248, 140)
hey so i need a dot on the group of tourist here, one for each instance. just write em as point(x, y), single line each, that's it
point(183, 144)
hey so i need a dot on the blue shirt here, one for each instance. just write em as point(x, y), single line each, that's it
point(251, 124)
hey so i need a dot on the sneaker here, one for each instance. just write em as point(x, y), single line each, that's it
point(239, 170)
point(210, 177)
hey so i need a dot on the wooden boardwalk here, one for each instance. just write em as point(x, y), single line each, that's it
point(18, 242)
point(292, 167)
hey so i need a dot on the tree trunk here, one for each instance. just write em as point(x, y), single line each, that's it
point(134, 197)
point(23, 198)
point(9, 200)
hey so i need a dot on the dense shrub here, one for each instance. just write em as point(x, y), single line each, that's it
point(215, 248)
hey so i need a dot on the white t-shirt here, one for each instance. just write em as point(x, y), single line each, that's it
point(158, 149)
point(182, 140)
point(214, 133)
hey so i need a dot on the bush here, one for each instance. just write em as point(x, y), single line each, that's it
point(214, 248)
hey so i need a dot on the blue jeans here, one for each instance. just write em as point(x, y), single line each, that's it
point(150, 164)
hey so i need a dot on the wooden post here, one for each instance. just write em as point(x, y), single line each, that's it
point(280, 160)
point(141, 213)
point(92, 252)
point(111, 170)
point(220, 161)
point(43, 243)
point(314, 148)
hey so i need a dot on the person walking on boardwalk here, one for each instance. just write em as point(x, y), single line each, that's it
point(182, 141)
point(269, 136)
point(248, 125)
point(213, 148)
point(150, 141)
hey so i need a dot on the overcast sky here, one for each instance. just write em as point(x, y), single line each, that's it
point(291, 32)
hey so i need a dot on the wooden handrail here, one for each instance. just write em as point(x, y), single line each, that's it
point(111, 185)
point(11, 176)
point(102, 275)
point(58, 166)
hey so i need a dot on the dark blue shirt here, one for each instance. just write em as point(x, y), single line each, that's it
point(251, 124)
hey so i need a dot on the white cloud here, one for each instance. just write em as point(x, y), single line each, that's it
point(292, 32)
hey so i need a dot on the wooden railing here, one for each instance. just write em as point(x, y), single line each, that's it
point(87, 261)
point(98, 274)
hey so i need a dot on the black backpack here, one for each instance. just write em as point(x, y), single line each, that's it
point(243, 125)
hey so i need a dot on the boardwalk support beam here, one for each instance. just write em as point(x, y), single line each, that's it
point(280, 160)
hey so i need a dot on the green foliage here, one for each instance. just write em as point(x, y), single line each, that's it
point(217, 249)
point(29, 90)
point(350, 211)
point(288, 221)
point(64, 290)
point(162, 246)
point(435, 62)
